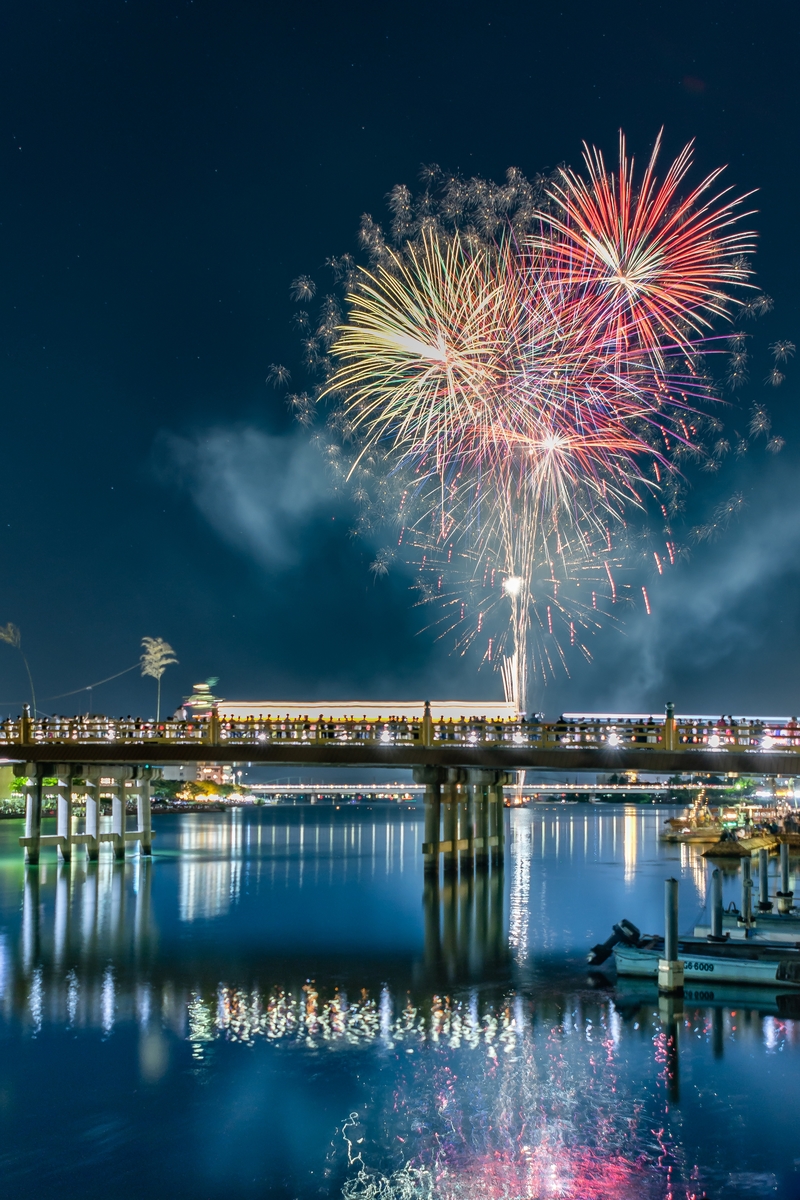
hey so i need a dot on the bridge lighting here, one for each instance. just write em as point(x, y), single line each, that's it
point(714, 741)
point(385, 736)
point(767, 742)
point(519, 738)
point(613, 739)
point(472, 738)
point(513, 585)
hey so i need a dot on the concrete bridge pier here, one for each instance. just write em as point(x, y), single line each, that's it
point(431, 777)
point(466, 831)
point(64, 828)
point(92, 823)
point(115, 784)
point(449, 828)
point(33, 773)
point(143, 810)
point(464, 820)
point(496, 820)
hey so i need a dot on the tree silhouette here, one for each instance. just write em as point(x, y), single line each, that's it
point(158, 655)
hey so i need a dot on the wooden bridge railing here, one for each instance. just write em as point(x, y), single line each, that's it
point(657, 733)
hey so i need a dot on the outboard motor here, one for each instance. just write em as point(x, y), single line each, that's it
point(624, 932)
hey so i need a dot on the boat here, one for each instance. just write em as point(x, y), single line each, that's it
point(727, 848)
point(696, 824)
point(762, 964)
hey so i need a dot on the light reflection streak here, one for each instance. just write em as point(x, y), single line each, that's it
point(519, 902)
point(629, 844)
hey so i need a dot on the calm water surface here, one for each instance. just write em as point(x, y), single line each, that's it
point(275, 1006)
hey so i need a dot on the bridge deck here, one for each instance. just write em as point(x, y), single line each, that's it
point(489, 756)
point(767, 746)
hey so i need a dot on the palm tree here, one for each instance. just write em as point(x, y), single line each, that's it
point(158, 655)
point(10, 633)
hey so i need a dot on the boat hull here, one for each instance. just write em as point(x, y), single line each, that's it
point(698, 967)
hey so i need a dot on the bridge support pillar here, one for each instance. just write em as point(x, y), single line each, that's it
point(64, 829)
point(118, 815)
point(466, 832)
point(495, 820)
point(33, 812)
point(450, 829)
point(119, 775)
point(143, 812)
point(92, 825)
point(480, 786)
point(432, 779)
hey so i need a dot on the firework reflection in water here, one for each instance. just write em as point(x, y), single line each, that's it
point(546, 1118)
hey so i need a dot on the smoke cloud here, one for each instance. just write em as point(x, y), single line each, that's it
point(258, 491)
point(724, 626)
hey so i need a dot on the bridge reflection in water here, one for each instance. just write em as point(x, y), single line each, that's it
point(551, 1088)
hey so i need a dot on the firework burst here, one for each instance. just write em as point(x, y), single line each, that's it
point(520, 373)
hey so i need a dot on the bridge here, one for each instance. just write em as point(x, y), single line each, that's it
point(463, 762)
point(666, 744)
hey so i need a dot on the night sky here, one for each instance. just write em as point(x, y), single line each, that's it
point(166, 170)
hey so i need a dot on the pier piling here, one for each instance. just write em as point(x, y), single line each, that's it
point(670, 968)
point(746, 918)
point(716, 934)
point(785, 896)
point(764, 902)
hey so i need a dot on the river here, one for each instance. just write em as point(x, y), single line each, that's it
point(275, 1006)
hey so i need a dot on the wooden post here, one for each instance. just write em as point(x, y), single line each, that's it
point(427, 725)
point(670, 740)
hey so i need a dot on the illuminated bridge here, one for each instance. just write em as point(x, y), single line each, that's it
point(462, 757)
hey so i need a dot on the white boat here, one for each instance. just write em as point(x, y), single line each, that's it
point(710, 962)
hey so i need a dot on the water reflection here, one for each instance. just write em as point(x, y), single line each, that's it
point(419, 1039)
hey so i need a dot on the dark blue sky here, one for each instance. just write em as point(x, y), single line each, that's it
point(167, 169)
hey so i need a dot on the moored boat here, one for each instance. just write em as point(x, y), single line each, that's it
point(720, 962)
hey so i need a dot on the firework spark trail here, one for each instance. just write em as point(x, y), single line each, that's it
point(526, 392)
point(659, 267)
